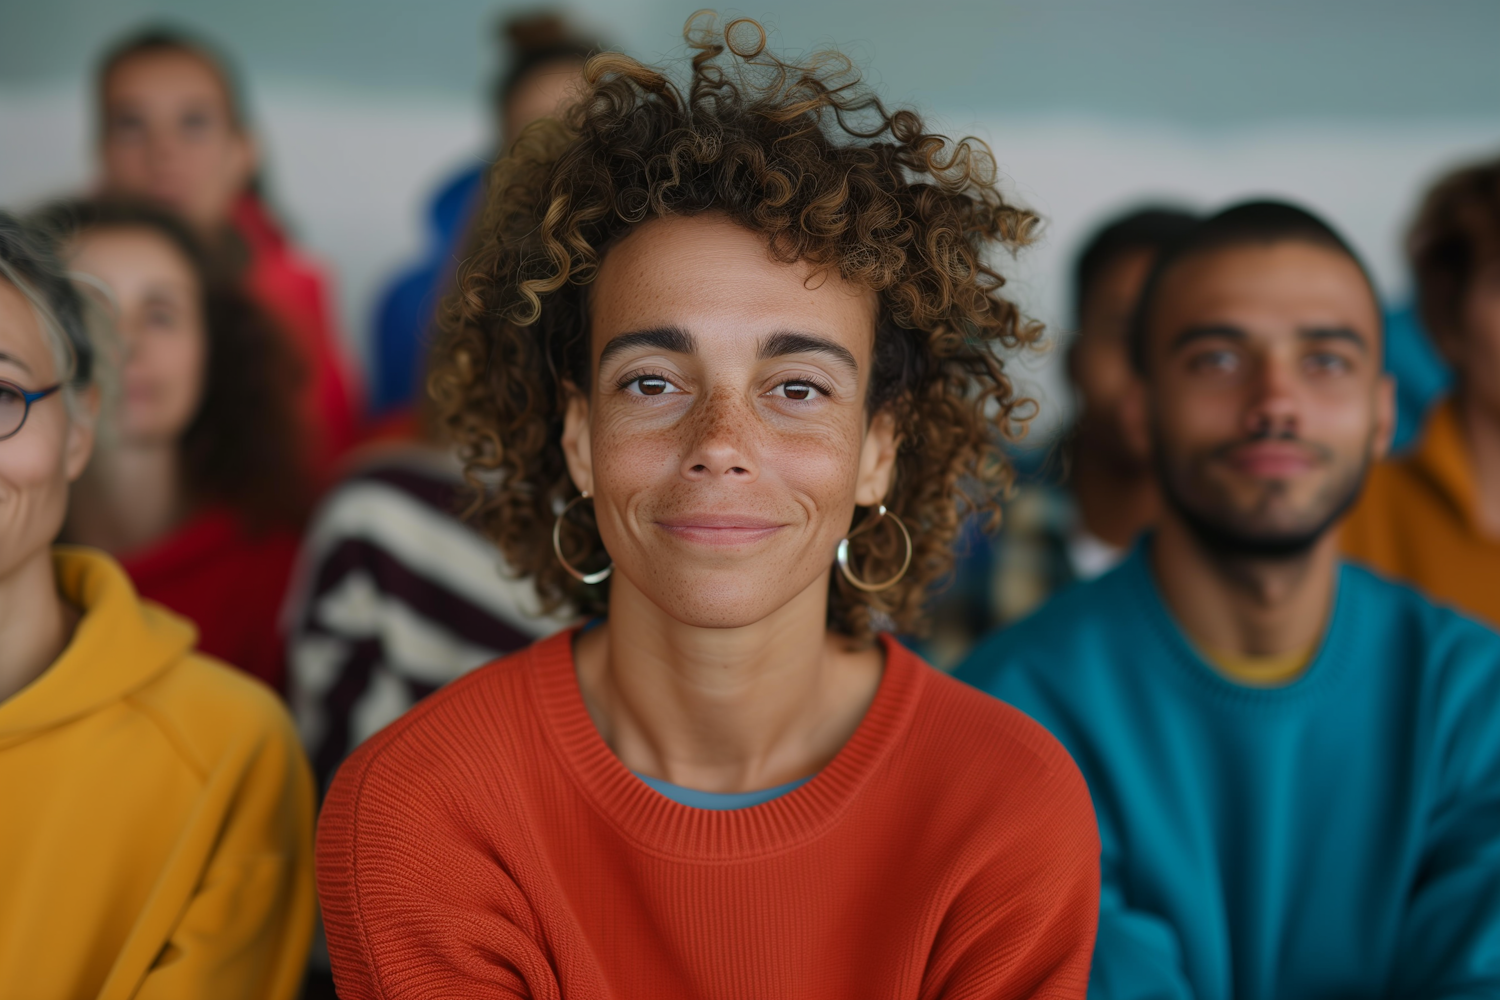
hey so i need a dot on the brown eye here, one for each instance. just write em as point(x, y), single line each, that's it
point(798, 391)
point(652, 386)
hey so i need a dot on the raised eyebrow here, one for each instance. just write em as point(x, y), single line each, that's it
point(17, 362)
point(672, 339)
point(1216, 331)
point(791, 342)
point(1324, 333)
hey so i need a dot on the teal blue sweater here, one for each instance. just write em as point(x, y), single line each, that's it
point(1335, 838)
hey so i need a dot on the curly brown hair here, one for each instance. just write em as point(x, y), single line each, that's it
point(802, 154)
point(1456, 232)
point(244, 448)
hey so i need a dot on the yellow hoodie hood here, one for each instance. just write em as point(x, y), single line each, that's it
point(120, 645)
point(156, 826)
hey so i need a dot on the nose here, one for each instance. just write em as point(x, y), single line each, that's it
point(1273, 409)
point(720, 439)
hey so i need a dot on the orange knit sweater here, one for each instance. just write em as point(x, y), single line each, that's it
point(489, 844)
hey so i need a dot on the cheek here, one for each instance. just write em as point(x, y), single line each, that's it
point(33, 484)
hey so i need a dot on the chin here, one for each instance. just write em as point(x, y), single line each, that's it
point(721, 599)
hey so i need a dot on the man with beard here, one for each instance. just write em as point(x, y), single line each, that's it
point(1294, 763)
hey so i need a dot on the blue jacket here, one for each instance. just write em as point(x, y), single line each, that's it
point(403, 319)
point(1337, 837)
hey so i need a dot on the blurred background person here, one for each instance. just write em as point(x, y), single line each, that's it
point(1294, 762)
point(396, 592)
point(156, 834)
point(173, 129)
point(544, 59)
point(1433, 517)
point(1073, 517)
point(201, 485)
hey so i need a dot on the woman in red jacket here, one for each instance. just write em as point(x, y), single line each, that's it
point(201, 484)
point(727, 360)
point(173, 130)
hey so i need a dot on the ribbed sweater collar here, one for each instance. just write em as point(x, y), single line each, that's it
point(658, 825)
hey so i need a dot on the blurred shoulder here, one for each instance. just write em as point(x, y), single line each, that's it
point(1062, 634)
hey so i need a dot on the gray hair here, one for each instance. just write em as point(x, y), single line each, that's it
point(69, 321)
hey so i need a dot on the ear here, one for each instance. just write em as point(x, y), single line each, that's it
point(577, 446)
point(246, 158)
point(1135, 416)
point(1385, 417)
point(877, 460)
point(79, 445)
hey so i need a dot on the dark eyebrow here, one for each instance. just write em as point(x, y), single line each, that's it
point(790, 342)
point(1344, 333)
point(1217, 331)
point(17, 362)
point(672, 339)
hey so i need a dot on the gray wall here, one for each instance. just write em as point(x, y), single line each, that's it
point(1206, 62)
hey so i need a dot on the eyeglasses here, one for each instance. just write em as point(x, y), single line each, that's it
point(15, 404)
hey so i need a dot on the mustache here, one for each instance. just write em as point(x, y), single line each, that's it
point(1322, 453)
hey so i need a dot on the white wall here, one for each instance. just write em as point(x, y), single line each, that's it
point(1351, 106)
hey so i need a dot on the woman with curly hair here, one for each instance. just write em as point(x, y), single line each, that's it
point(724, 363)
point(202, 486)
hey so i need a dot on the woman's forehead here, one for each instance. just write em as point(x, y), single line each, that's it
point(23, 347)
point(706, 271)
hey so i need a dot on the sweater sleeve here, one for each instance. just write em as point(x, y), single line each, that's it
point(443, 919)
point(245, 932)
point(1450, 941)
point(1024, 926)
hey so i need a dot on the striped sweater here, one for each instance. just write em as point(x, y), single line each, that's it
point(394, 596)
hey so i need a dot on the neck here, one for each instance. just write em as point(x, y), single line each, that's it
point(130, 497)
point(35, 623)
point(1244, 607)
point(1116, 500)
point(1480, 427)
point(724, 709)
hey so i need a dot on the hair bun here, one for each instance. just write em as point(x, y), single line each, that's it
point(538, 32)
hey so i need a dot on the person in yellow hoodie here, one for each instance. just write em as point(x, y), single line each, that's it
point(156, 810)
point(1433, 517)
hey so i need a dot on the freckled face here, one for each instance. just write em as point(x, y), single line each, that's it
point(725, 437)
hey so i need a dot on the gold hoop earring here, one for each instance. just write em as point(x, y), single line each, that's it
point(843, 553)
point(598, 576)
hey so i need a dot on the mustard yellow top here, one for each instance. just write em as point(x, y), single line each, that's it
point(1416, 521)
point(156, 815)
point(1260, 671)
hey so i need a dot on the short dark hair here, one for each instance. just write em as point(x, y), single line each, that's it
point(28, 257)
point(1249, 223)
point(1457, 231)
point(1149, 228)
point(535, 40)
point(245, 446)
point(160, 39)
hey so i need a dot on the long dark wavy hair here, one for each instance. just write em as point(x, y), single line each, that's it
point(245, 447)
point(803, 155)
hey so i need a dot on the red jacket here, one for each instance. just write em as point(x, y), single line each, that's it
point(295, 291)
point(229, 582)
